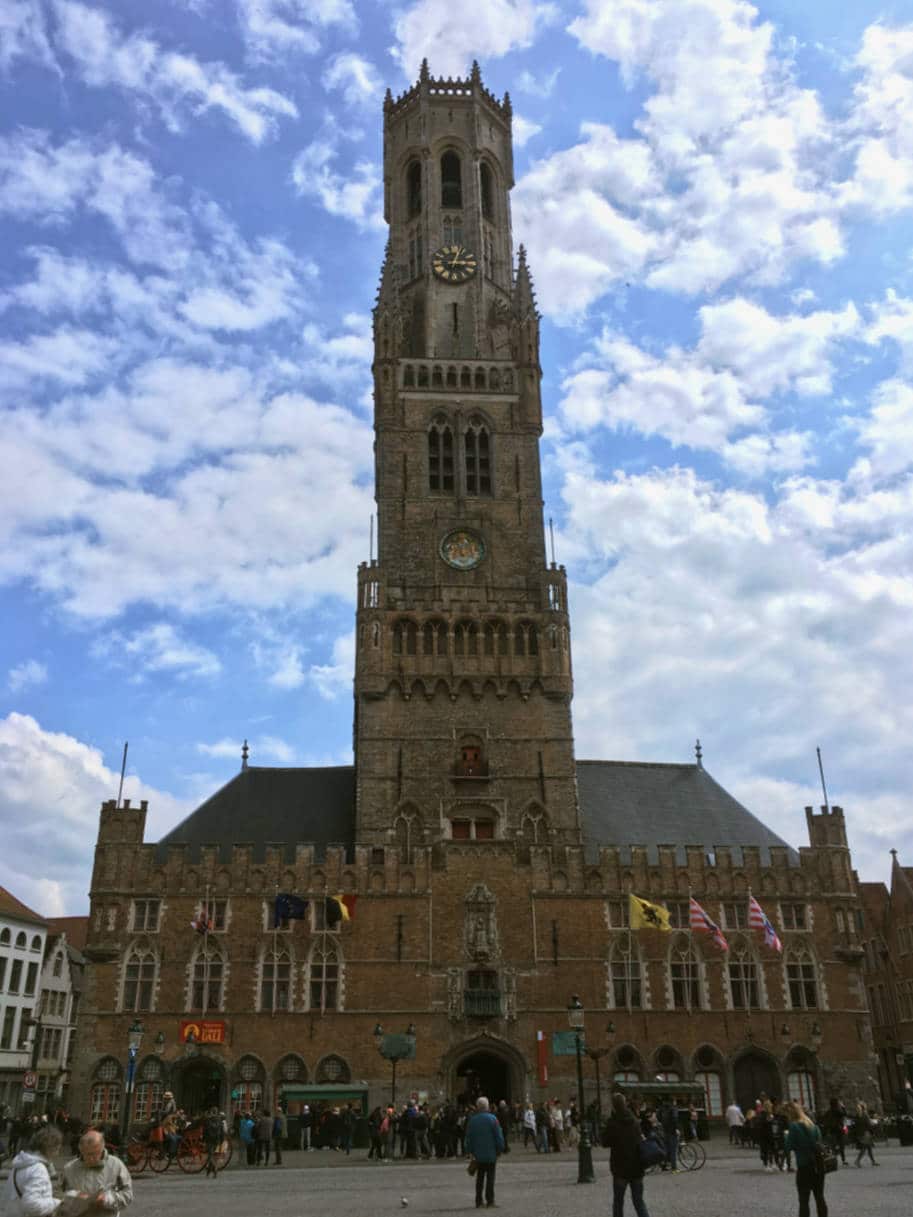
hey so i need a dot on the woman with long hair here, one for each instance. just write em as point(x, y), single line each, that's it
point(863, 1134)
point(802, 1139)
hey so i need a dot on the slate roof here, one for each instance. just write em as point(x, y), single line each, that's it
point(631, 803)
point(621, 802)
point(264, 806)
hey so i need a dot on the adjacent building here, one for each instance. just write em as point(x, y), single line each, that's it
point(486, 868)
point(887, 941)
point(23, 936)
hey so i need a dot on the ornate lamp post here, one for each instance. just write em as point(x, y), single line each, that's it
point(575, 1018)
point(394, 1048)
point(134, 1040)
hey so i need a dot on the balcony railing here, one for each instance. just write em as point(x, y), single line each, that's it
point(481, 1003)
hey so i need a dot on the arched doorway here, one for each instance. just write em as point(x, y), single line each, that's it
point(200, 1085)
point(755, 1074)
point(483, 1073)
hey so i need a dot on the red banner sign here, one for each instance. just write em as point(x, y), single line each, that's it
point(205, 1031)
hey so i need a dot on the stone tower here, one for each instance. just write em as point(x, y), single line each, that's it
point(463, 669)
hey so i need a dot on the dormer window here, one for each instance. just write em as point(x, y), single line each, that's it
point(451, 181)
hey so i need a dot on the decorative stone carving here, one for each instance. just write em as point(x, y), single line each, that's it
point(455, 994)
point(480, 925)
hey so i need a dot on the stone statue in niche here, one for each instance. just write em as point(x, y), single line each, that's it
point(481, 927)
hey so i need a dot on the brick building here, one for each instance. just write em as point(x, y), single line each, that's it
point(490, 866)
point(888, 972)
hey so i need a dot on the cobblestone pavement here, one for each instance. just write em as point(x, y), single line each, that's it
point(732, 1184)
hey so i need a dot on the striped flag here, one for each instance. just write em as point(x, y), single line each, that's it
point(702, 923)
point(339, 908)
point(202, 922)
point(758, 920)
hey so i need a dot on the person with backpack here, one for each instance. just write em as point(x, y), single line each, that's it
point(29, 1187)
point(214, 1133)
point(803, 1139)
point(280, 1132)
point(623, 1136)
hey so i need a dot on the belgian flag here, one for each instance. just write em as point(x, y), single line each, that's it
point(339, 908)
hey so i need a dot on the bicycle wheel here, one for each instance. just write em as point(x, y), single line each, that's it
point(191, 1155)
point(698, 1155)
point(222, 1156)
point(159, 1158)
point(687, 1157)
point(136, 1156)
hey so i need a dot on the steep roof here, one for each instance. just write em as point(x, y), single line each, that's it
point(262, 806)
point(75, 928)
point(631, 803)
point(621, 802)
point(16, 910)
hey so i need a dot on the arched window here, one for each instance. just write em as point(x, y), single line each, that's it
point(149, 1086)
point(744, 988)
point(486, 183)
point(452, 230)
point(625, 990)
point(104, 1096)
point(333, 1069)
point(58, 964)
point(275, 980)
point(713, 1091)
point(292, 1069)
point(139, 979)
point(21, 941)
point(451, 181)
point(466, 639)
point(628, 1065)
point(414, 189)
point(800, 1087)
point(36, 943)
point(208, 976)
point(405, 637)
point(478, 457)
point(4, 938)
point(534, 827)
point(324, 976)
point(247, 1085)
point(407, 829)
point(684, 975)
point(801, 980)
point(440, 456)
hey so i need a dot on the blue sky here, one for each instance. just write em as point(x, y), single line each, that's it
point(717, 199)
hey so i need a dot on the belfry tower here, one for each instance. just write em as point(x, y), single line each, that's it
point(463, 679)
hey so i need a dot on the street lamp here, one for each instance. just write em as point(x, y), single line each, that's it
point(584, 1152)
point(596, 1055)
point(394, 1048)
point(134, 1039)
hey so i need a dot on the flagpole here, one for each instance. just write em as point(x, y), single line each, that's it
point(206, 951)
point(691, 955)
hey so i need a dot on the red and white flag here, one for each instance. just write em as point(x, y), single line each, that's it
point(758, 920)
point(702, 923)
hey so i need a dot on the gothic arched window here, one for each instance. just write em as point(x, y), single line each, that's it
point(452, 230)
point(324, 975)
point(625, 990)
point(478, 457)
point(801, 979)
point(486, 183)
point(275, 980)
point(685, 975)
point(104, 1097)
point(149, 1086)
point(208, 972)
point(744, 989)
point(405, 637)
point(333, 1069)
point(414, 188)
point(440, 456)
point(451, 181)
point(139, 979)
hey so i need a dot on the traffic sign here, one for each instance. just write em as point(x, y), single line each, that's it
point(30, 1081)
point(28, 1096)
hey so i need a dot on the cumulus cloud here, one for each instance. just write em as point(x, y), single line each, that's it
point(180, 86)
point(355, 77)
point(26, 675)
point(353, 193)
point(274, 29)
point(51, 787)
point(24, 34)
point(451, 37)
point(159, 647)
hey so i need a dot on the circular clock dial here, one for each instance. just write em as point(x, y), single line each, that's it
point(462, 549)
point(454, 263)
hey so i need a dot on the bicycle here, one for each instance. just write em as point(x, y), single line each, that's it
point(193, 1154)
point(691, 1157)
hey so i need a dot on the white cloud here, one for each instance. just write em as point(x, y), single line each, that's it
point(68, 356)
point(354, 195)
point(355, 77)
point(179, 85)
point(887, 432)
point(158, 648)
point(335, 679)
point(289, 673)
point(24, 33)
point(276, 28)
point(26, 675)
point(450, 36)
point(524, 130)
point(51, 787)
point(538, 86)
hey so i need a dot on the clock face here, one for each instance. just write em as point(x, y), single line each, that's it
point(462, 549)
point(453, 263)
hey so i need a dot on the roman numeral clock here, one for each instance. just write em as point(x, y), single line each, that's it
point(454, 263)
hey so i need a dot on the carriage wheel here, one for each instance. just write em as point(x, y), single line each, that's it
point(191, 1155)
point(159, 1157)
point(222, 1156)
point(137, 1155)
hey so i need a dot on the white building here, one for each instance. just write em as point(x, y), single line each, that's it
point(23, 937)
point(61, 989)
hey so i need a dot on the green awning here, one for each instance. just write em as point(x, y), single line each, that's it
point(324, 1092)
point(658, 1088)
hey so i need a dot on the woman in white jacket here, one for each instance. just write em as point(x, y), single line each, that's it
point(29, 1190)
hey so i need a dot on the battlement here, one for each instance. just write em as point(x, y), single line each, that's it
point(453, 89)
point(826, 828)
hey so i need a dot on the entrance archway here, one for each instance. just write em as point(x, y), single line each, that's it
point(483, 1073)
point(200, 1085)
point(486, 1065)
point(755, 1074)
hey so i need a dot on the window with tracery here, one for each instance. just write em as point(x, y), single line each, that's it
point(333, 1069)
point(452, 230)
point(625, 989)
point(405, 638)
point(451, 180)
point(440, 456)
point(744, 988)
point(685, 976)
point(139, 979)
point(208, 977)
point(148, 1092)
point(802, 980)
point(275, 980)
point(104, 1097)
point(478, 457)
point(324, 975)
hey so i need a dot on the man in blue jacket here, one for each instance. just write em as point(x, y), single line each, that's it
point(484, 1141)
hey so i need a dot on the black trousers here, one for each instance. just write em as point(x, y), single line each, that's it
point(810, 1183)
point(485, 1178)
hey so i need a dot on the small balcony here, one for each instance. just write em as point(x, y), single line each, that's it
point(482, 1003)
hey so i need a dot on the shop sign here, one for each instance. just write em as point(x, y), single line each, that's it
point(205, 1031)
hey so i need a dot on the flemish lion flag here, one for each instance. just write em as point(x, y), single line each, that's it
point(646, 916)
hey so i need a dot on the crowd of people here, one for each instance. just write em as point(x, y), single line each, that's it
point(764, 1127)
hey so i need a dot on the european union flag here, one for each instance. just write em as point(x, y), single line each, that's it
point(288, 908)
